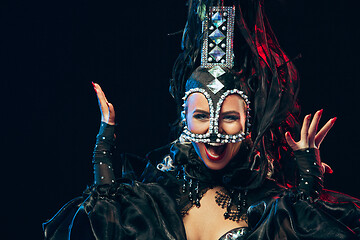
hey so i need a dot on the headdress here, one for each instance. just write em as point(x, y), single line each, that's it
point(213, 78)
point(229, 51)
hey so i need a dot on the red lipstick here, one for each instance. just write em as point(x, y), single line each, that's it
point(215, 153)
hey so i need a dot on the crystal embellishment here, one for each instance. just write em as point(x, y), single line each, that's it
point(217, 19)
point(217, 53)
point(218, 31)
point(215, 86)
point(216, 71)
point(217, 36)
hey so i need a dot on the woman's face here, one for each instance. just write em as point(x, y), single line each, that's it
point(232, 120)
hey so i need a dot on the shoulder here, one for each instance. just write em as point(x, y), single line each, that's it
point(281, 208)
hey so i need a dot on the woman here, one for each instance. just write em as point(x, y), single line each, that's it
point(235, 171)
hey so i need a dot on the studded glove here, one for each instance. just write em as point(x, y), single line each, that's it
point(102, 157)
point(310, 171)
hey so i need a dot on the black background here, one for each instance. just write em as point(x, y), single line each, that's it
point(52, 50)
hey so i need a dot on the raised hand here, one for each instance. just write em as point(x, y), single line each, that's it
point(106, 108)
point(310, 137)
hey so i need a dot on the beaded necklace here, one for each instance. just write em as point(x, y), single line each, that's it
point(234, 201)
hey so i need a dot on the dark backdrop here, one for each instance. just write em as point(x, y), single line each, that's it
point(52, 50)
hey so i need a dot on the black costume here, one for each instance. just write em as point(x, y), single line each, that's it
point(150, 208)
point(278, 192)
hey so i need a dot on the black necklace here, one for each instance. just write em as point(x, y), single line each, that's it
point(234, 201)
point(235, 204)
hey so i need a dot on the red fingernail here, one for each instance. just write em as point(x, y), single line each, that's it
point(333, 120)
point(94, 86)
point(321, 111)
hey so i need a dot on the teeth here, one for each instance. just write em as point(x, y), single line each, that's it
point(216, 144)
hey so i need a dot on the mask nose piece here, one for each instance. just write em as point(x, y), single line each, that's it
point(221, 130)
point(213, 137)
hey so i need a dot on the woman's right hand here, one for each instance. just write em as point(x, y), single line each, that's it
point(106, 108)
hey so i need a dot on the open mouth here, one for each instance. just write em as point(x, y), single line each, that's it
point(215, 151)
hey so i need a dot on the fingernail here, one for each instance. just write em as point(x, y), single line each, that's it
point(308, 116)
point(94, 86)
point(333, 120)
point(321, 111)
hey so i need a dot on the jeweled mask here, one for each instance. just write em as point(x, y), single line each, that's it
point(215, 84)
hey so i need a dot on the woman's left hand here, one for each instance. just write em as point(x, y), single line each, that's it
point(310, 137)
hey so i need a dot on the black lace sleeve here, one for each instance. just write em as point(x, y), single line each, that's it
point(102, 158)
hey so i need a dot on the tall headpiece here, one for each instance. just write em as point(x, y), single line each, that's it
point(213, 78)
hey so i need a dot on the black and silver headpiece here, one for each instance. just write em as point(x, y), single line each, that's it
point(214, 78)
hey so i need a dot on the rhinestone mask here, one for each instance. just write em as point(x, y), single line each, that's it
point(215, 84)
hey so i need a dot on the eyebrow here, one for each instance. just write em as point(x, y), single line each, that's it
point(200, 111)
point(230, 112)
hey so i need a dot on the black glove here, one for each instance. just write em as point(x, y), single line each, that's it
point(102, 158)
point(311, 173)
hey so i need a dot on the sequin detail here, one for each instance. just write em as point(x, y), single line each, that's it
point(235, 234)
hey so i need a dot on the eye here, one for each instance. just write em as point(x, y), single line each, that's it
point(231, 117)
point(201, 116)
